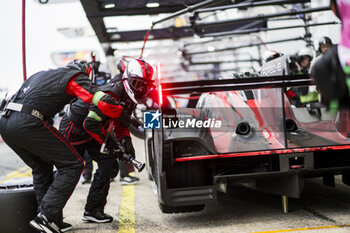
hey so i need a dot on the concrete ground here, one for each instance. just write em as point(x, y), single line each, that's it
point(135, 208)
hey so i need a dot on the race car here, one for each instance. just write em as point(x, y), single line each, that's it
point(244, 130)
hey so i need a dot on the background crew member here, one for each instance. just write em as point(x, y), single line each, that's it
point(26, 126)
point(324, 44)
point(332, 71)
point(132, 88)
point(304, 58)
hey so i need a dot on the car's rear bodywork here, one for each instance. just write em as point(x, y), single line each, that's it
point(262, 140)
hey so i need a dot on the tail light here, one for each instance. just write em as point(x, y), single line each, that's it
point(160, 94)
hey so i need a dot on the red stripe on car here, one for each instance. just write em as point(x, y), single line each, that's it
point(265, 152)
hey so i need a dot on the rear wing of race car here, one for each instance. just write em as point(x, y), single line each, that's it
point(203, 86)
point(272, 75)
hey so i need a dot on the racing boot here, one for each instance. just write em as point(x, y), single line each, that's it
point(128, 180)
point(42, 224)
point(64, 226)
point(98, 217)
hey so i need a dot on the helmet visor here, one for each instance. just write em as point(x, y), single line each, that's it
point(138, 84)
point(140, 87)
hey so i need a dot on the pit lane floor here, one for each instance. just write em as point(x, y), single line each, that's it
point(135, 208)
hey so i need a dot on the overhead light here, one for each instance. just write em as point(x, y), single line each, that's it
point(111, 30)
point(152, 4)
point(112, 5)
point(116, 36)
point(211, 48)
point(179, 22)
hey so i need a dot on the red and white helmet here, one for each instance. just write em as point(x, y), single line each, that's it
point(137, 79)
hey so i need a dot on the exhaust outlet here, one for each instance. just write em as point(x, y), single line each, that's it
point(243, 128)
point(291, 126)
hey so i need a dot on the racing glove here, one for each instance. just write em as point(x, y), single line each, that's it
point(127, 144)
point(113, 148)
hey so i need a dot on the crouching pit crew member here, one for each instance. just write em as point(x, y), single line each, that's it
point(26, 126)
point(125, 168)
point(83, 120)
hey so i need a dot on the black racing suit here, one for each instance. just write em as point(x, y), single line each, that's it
point(72, 127)
point(39, 144)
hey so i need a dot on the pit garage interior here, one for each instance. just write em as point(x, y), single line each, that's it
point(272, 165)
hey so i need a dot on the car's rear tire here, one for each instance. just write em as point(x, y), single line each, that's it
point(183, 175)
point(150, 161)
point(186, 174)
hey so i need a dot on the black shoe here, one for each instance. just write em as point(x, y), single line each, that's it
point(128, 180)
point(64, 226)
point(43, 224)
point(98, 217)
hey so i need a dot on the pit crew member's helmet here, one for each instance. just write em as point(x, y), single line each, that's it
point(137, 79)
point(305, 52)
point(93, 59)
point(324, 41)
point(83, 66)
